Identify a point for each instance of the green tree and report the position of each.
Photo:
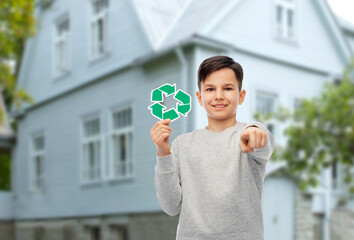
(321, 133)
(16, 25)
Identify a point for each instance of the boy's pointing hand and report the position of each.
(252, 137)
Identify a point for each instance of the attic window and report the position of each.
(61, 47)
(285, 16)
(99, 28)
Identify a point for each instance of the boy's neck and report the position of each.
(219, 126)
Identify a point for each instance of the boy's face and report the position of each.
(221, 87)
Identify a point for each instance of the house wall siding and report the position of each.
(250, 26)
(126, 40)
(60, 122)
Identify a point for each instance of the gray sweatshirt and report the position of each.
(216, 189)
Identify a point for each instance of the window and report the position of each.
(37, 163)
(94, 233)
(39, 234)
(121, 143)
(119, 232)
(337, 82)
(319, 225)
(265, 103)
(297, 103)
(334, 175)
(61, 47)
(91, 148)
(285, 19)
(99, 28)
(68, 233)
(337, 173)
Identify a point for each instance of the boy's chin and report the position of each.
(221, 117)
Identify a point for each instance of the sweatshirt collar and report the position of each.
(236, 126)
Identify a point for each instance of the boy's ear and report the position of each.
(199, 98)
(242, 96)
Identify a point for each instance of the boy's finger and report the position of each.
(264, 140)
(244, 147)
(245, 135)
(165, 121)
(252, 140)
(157, 129)
(257, 140)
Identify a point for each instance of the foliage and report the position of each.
(16, 25)
(320, 134)
(5, 171)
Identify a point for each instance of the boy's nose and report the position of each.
(219, 94)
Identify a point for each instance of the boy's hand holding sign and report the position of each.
(160, 134)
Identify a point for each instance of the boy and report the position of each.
(214, 176)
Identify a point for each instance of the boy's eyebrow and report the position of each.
(226, 84)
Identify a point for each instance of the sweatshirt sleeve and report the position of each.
(167, 181)
(263, 154)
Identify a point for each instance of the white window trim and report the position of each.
(116, 132)
(32, 154)
(286, 5)
(65, 40)
(94, 54)
(259, 87)
(83, 140)
(274, 122)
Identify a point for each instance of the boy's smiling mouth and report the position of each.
(219, 106)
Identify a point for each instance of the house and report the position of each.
(83, 163)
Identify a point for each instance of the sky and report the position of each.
(344, 8)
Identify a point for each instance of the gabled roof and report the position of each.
(345, 25)
(333, 24)
(169, 22)
(197, 15)
(157, 16)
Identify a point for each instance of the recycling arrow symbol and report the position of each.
(157, 109)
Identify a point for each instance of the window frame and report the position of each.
(86, 140)
(89, 231)
(272, 95)
(115, 133)
(33, 154)
(120, 230)
(65, 65)
(94, 52)
(286, 6)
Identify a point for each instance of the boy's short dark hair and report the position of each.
(215, 63)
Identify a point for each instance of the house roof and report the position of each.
(193, 19)
(171, 24)
(345, 25)
(157, 16)
(168, 22)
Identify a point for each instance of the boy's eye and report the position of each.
(213, 88)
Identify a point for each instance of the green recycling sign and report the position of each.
(157, 96)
